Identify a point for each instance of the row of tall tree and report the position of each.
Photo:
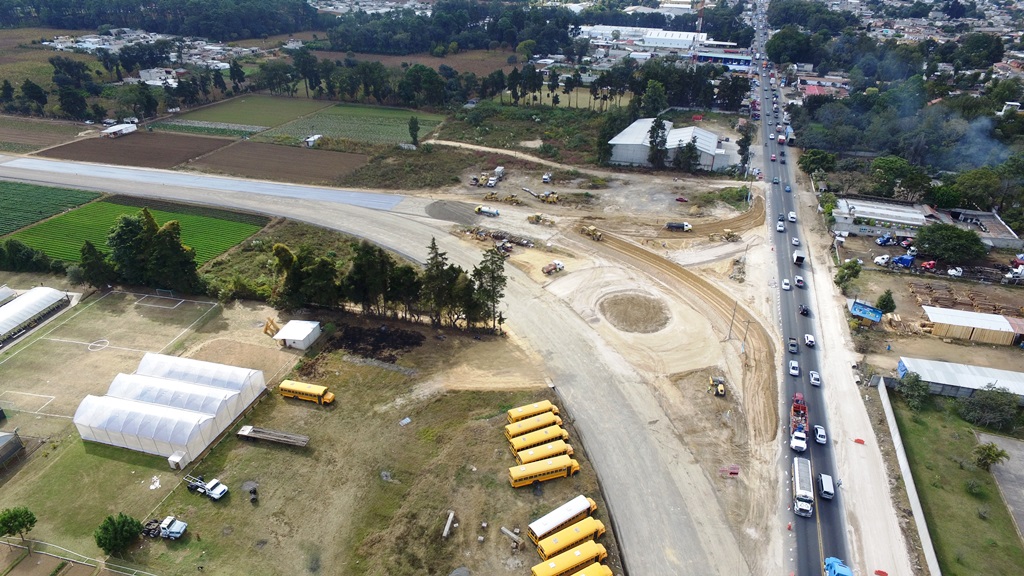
(445, 293)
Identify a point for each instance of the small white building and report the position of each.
(310, 141)
(118, 130)
(631, 147)
(298, 334)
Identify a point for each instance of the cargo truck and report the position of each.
(798, 257)
(487, 211)
(798, 423)
(679, 226)
(835, 567)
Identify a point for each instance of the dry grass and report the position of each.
(20, 59)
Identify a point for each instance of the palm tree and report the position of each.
(985, 455)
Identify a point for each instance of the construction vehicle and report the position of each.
(548, 197)
(835, 567)
(170, 528)
(270, 328)
(678, 226)
(716, 384)
(539, 218)
(554, 266)
(213, 489)
(726, 235)
(798, 423)
(487, 211)
(512, 199)
(593, 232)
(492, 195)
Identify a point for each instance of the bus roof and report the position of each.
(543, 526)
(303, 387)
(589, 527)
(544, 435)
(544, 451)
(581, 555)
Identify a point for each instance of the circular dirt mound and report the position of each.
(635, 312)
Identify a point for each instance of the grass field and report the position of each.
(371, 124)
(24, 204)
(21, 60)
(210, 233)
(938, 445)
(24, 135)
(257, 110)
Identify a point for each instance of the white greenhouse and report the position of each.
(25, 310)
(176, 409)
(144, 427)
(247, 382)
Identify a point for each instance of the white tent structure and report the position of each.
(247, 382)
(299, 334)
(145, 427)
(223, 404)
(6, 294)
(172, 407)
(26, 309)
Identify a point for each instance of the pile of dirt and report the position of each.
(384, 343)
(637, 313)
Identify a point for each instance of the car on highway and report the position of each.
(809, 340)
(798, 281)
(788, 189)
(776, 181)
(882, 260)
(780, 227)
(792, 216)
(785, 284)
(819, 434)
(781, 217)
(773, 158)
(803, 310)
(771, 137)
(815, 378)
(794, 368)
(795, 241)
(782, 161)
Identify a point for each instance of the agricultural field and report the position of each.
(146, 149)
(371, 124)
(257, 110)
(209, 232)
(20, 59)
(24, 135)
(280, 163)
(24, 204)
(203, 128)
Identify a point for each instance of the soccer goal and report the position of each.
(165, 293)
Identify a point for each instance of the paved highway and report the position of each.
(824, 534)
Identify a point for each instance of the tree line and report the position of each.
(223, 20)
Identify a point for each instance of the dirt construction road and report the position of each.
(658, 495)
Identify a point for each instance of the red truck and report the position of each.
(798, 423)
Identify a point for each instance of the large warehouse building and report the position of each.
(975, 326)
(632, 146)
(23, 312)
(171, 407)
(961, 380)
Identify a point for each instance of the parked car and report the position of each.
(929, 265)
(794, 368)
(858, 261)
(819, 434)
(882, 260)
(955, 272)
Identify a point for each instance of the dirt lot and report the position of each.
(147, 149)
(280, 163)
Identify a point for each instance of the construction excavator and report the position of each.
(539, 218)
(593, 232)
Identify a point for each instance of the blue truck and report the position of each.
(835, 567)
(904, 261)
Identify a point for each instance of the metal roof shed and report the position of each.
(299, 334)
(10, 446)
(961, 380)
(21, 312)
(963, 324)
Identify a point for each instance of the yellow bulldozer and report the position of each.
(539, 219)
(492, 195)
(593, 232)
(549, 198)
(512, 199)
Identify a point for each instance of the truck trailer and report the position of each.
(798, 257)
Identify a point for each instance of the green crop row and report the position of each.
(192, 210)
(25, 204)
(62, 237)
(202, 130)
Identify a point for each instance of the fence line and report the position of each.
(39, 547)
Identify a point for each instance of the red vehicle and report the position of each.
(798, 414)
(929, 265)
(773, 157)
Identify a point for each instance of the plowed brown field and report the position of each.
(280, 163)
(146, 149)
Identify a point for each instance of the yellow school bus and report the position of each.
(303, 391)
(571, 561)
(549, 450)
(530, 424)
(557, 467)
(537, 438)
(595, 570)
(589, 528)
(530, 410)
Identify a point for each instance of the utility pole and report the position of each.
(731, 318)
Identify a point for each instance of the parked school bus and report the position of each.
(537, 438)
(595, 570)
(549, 450)
(530, 410)
(571, 561)
(542, 471)
(310, 392)
(587, 529)
(565, 515)
(530, 424)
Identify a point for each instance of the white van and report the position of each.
(826, 489)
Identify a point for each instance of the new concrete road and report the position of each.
(643, 466)
(824, 534)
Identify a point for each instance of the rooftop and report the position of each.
(963, 375)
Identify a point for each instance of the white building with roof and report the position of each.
(672, 40)
(171, 407)
(23, 312)
(961, 380)
(298, 334)
(873, 218)
(631, 147)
